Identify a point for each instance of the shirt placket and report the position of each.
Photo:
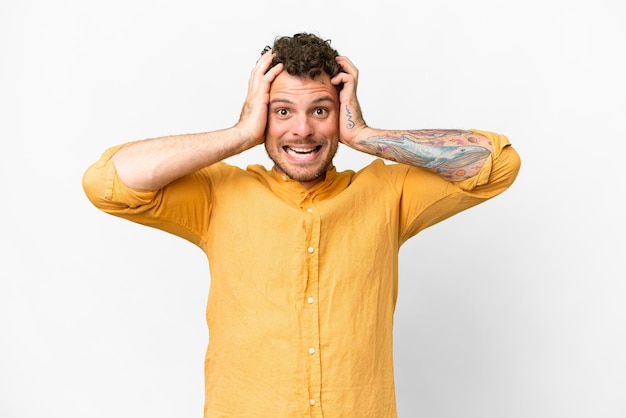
(310, 316)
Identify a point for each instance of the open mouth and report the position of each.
(301, 150)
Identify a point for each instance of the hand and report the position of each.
(351, 122)
(253, 117)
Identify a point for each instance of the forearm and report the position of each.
(453, 154)
(153, 163)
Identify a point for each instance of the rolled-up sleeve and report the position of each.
(181, 208)
(428, 198)
(499, 170)
(107, 192)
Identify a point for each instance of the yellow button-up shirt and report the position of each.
(303, 282)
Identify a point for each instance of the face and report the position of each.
(302, 132)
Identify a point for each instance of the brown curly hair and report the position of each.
(306, 55)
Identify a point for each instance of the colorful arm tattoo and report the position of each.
(453, 154)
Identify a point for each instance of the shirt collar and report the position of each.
(284, 179)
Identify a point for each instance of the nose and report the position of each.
(302, 126)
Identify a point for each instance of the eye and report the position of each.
(320, 111)
(282, 112)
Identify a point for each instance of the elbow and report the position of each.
(513, 164)
(95, 185)
(505, 169)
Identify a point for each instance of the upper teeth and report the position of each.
(301, 150)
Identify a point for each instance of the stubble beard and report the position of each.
(304, 176)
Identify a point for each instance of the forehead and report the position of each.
(302, 89)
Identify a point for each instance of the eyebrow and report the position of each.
(316, 101)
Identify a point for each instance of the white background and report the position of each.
(516, 308)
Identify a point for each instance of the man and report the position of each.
(303, 259)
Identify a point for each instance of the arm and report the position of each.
(453, 154)
(153, 163)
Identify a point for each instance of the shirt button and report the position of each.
(309, 210)
(311, 350)
(311, 250)
(284, 178)
(312, 402)
(310, 300)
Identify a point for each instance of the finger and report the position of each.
(260, 69)
(262, 82)
(271, 74)
(347, 65)
(263, 62)
(341, 78)
(349, 74)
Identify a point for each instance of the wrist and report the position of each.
(243, 139)
(357, 134)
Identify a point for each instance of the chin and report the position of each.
(297, 174)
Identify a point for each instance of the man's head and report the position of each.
(302, 133)
(305, 55)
